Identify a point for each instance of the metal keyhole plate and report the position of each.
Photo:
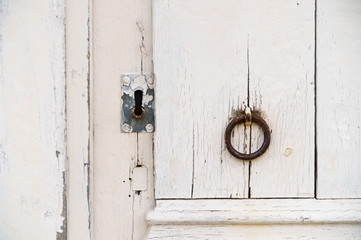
(130, 84)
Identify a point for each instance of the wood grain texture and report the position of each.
(206, 57)
(338, 99)
(323, 231)
(122, 44)
(79, 131)
(200, 63)
(281, 85)
(143, 201)
(255, 211)
(32, 120)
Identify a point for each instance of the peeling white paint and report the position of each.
(147, 99)
(78, 113)
(120, 30)
(211, 60)
(338, 98)
(32, 119)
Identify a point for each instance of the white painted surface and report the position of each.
(32, 119)
(256, 219)
(338, 99)
(122, 44)
(140, 178)
(255, 211)
(205, 75)
(205, 53)
(322, 231)
(201, 72)
(281, 85)
(79, 129)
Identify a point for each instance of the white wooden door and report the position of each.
(214, 58)
(297, 64)
(211, 60)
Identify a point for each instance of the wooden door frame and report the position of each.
(79, 119)
(82, 195)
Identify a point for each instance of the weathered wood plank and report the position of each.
(338, 99)
(113, 52)
(200, 62)
(79, 132)
(143, 201)
(281, 59)
(255, 211)
(121, 44)
(204, 69)
(32, 120)
(288, 218)
(321, 231)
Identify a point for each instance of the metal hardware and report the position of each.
(137, 114)
(248, 118)
(149, 128)
(140, 115)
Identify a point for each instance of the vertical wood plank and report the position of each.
(338, 99)
(281, 49)
(79, 130)
(32, 120)
(200, 62)
(113, 35)
(173, 174)
(121, 44)
(143, 201)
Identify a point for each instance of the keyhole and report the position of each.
(138, 110)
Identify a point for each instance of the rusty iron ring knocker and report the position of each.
(248, 118)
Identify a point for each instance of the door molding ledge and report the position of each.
(255, 211)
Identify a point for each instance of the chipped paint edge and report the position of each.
(255, 211)
(79, 118)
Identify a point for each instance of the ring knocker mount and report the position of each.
(248, 118)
